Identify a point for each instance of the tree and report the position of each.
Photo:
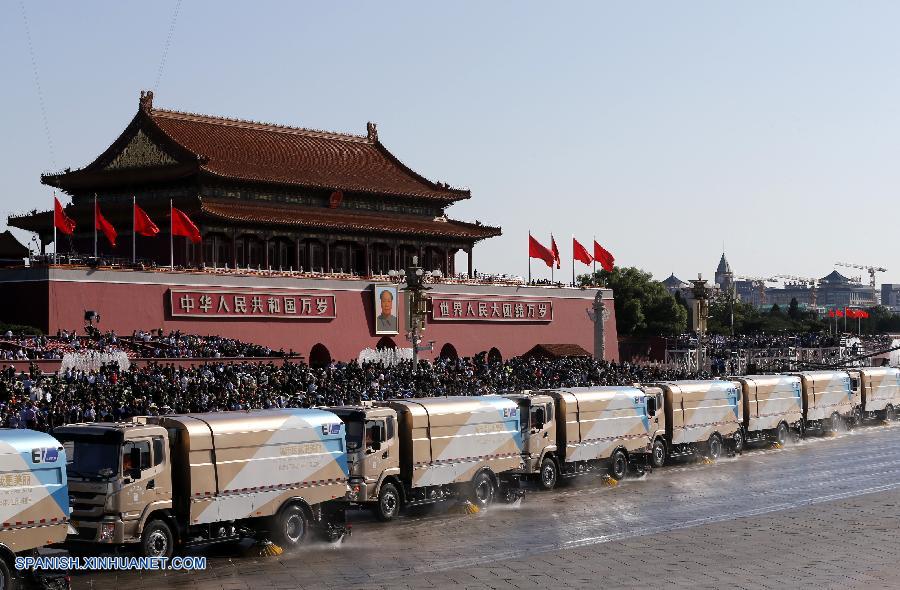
(794, 310)
(643, 306)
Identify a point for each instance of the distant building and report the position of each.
(724, 278)
(675, 285)
(834, 291)
(890, 296)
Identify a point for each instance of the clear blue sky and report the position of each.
(664, 128)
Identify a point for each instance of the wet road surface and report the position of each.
(853, 477)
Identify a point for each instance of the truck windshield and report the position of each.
(91, 460)
(354, 434)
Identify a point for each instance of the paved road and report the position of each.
(824, 512)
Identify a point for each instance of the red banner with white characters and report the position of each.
(491, 309)
(209, 303)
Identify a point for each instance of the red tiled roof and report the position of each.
(342, 219)
(261, 152)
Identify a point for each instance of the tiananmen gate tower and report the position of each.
(299, 231)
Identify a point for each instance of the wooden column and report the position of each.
(297, 254)
(233, 248)
(368, 260)
(327, 255)
(469, 256)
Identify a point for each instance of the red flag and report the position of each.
(554, 250)
(850, 313)
(839, 313)
(143, 225)
(604, 257)
(62, 221)
(831, 313)
(183, 226)
(106, 227)
(580, 253)
(538, 250)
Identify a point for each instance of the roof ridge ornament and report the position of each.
(372, 131)
(145, 102)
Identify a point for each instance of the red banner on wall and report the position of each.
(491, 310)
(251, 304)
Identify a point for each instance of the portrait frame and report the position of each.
(389, 325)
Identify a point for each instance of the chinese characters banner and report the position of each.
(251, 304)
(491, 310)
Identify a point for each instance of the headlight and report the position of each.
(107, 532)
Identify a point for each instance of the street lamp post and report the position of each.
(414, 279)
(700, 293)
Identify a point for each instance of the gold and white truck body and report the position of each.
(830, 400)
(772, 406)
(200, 478)
(417, 451)
(577, 430)
(880, 391)
(700, 417)
(34, 498)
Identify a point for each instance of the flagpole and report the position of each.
(573, 260)
(529, 257)
(133, 231)
(171, 237)
(594, 256)
(55, 243)
(95, 225)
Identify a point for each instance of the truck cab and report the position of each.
(373, 457)
(538, 423)
(118, 475)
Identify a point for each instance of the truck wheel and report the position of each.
(618, 465)
(7, 582)
(658, 454)
(781, 434)
(549, 474)
(482, 490)
(157, 539)
(290, 527)
(388, 502)
(889, 414)
(836, 423)
(737, 440)
(714, 447)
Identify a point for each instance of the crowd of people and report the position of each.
(779, 341)
(141, 344)
(43, 401)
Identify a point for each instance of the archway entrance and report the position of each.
(319, 356)
(448, 351)
(385, 342)
(494, 357)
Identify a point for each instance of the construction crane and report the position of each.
(872, 269)
(759, 283)
(812, 283)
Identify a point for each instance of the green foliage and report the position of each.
(749, 320)
(643, 306)
(19, 330)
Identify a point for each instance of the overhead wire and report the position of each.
(168, 43)
(37, 84)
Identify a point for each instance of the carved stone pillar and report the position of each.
(600, 315)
